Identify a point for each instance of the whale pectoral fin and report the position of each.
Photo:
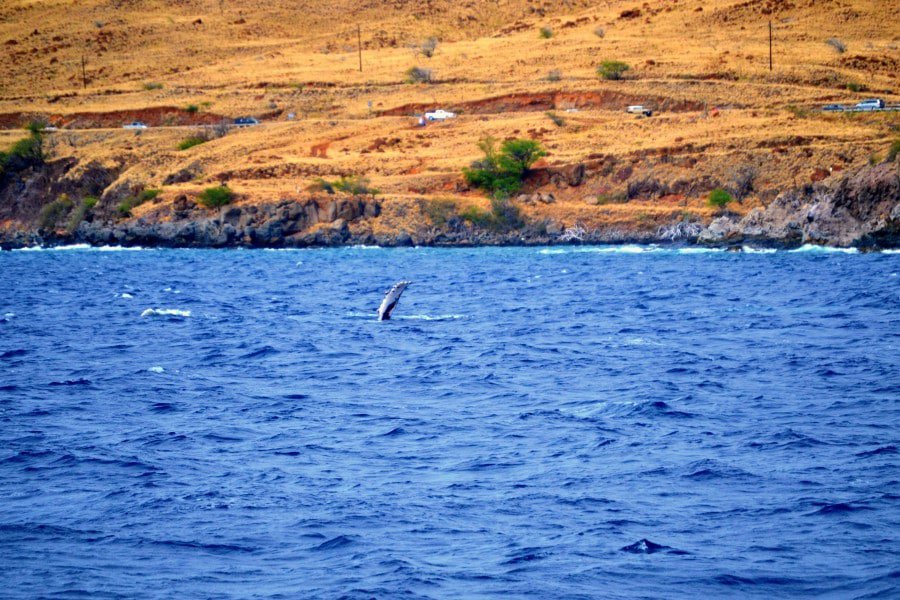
(391, 298)
(386, 315)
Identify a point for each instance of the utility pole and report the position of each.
(359, 45)
(770, 45)
(83, 74)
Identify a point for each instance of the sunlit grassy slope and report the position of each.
(702, 64)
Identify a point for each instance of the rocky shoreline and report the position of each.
(861, 209)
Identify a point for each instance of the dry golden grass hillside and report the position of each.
(511, 68)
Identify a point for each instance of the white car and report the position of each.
(638, 109)
(439, 115)
(135, 125)
(870, 104)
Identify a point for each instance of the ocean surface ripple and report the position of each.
(545, 423)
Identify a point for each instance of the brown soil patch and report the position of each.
(537, 102)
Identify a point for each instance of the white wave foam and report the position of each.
(623, 249)
(125, 295)
(825, 249)
(87, 247)
(9, 314)
(699, 250)
(374, 316)
(172, 290)
(69, 247)
(428, 317)
(891, 251)
(156, 369)
(172, 312)
(752, 250)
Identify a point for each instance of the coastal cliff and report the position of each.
(860, 208)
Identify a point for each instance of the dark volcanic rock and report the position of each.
(184, 175)
(860, 209)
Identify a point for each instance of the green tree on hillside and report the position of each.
(502, 170)
(612, 69)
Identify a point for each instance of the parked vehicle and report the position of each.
(49, 129)
(135, 125)
(246, 122)
(638, 109)
(834, 108)
(439, 115)
(870, 104)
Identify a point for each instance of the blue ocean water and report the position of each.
(546, 423)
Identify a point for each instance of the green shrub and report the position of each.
(349, 184)
(600, 32)
(131, 202)
(36, 127)
(125, 206)
(501, 171)
(612, 69)
(497, 183)
(554, 75)
(78, 215)
(30, 149)
(837, 45)
(719, 198)
(517, 156)
(192, 108)
(190, 142)
(418, 75)
(557, 120)
(617, 198)
(428, 47)
(153, 86)
(546, 33)
(476, 216)
(321, 185)
(503, 216)
(440, 211)
(354, 184)
(54, 212)
(147, 195)
(856, 87)
(894, 150)
(213, 197)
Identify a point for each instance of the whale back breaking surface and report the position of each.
(391, 298)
